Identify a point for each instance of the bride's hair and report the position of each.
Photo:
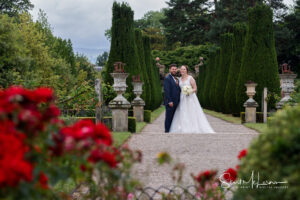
(186, 67)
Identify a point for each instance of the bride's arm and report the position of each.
(194, 85)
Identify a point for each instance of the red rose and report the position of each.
(43, 179)
(242, 154)
(14, 167)
(81, 130)
(51, 112)
(102, 135)
(107, 157)
(206, 175)
(42, 95)
(230, 175)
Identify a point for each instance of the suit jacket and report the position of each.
(171, 91)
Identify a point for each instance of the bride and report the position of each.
(189, 116)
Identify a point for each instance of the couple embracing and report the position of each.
(183, 111)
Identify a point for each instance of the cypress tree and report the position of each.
(259, 62)
(208, 80)
(153, 74)
(201, 78)
(123, 47)
(146, 96)
(239, 34)
(222, 74)
(212, 88)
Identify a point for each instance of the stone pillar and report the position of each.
(265, 104)
(138, 103)
(119, 105)
(250, 104)
(98, 90)
(287, 87)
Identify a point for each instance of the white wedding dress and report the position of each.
(189, 116)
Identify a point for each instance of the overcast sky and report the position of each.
(85, 22)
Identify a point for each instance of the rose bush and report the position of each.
(37, 151)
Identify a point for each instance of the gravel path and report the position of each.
(197, 151)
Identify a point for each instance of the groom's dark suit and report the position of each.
(172, 94)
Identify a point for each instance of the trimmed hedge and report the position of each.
(107, 121)
(132, 124)
(147, 116)
(259, 117)
(123, 47)
(146, 95)
(222, 71)
(212, 89)
(154, 77)
(239, 34)
(259, 62)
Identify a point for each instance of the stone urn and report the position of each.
(119, 105)
(138, 103)
(250, 104)
(287, 84)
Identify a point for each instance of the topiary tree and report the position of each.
(153, 74)
(275, 155)
(222, 74)
(208, 80)
(123, 47)
(212, 88)
(239, 34)
(146, 95)
(259, 62)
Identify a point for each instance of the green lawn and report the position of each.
(120, 137)
(140, 126)
(156, 113)
(226, 117)
(259, 127)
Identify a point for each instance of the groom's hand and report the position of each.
(171, 104)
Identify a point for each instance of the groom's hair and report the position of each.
(172, 65)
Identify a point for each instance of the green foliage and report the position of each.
(13, 7)
(101, 59)
(147, 116)
(123, 47)
(186, 22)
(212, 88)
(153, 74)
(239, 33)
(295, 96)
(188, 55)
(146, 95)
(200, 83)
(209, 74)
(259, 63)
(132, 124)
(31, 56)
(275, 156)
(222, 71)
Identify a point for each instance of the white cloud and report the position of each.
(85, 22)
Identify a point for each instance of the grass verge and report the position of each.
(120, 137)
(156, 113)
(259, 127)
(226, 117)
(140, 126)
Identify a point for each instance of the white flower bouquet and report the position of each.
(187, 90)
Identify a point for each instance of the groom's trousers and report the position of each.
(170, 111)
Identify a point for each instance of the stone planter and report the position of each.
(138, 103)
(250, 104)
(119, 105)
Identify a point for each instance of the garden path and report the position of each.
(198, 152)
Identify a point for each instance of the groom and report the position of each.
(172, 95)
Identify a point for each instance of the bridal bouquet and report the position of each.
(187, 90)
